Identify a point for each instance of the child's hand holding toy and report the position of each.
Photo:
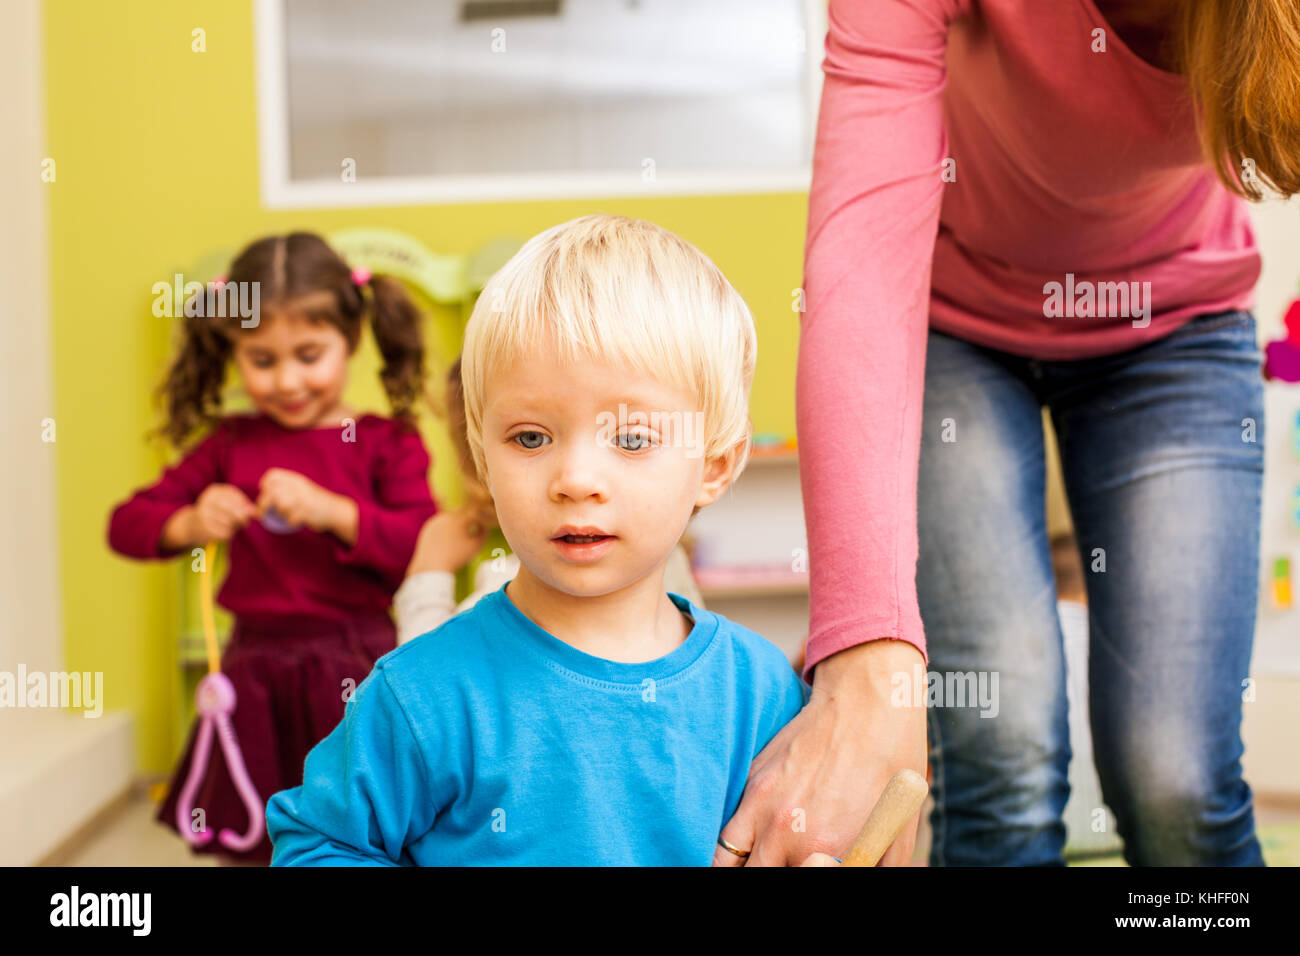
(219, 512)
(288, 501)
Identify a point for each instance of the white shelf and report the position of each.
(793, 587)
(758, 525)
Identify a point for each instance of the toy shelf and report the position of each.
(749, 550)
(719, 583)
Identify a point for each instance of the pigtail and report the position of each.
(300, 274)
(191, 391)
(395, 321)
(477, 497)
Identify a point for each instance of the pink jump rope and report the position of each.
(215, 702)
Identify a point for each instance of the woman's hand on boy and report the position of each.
(447, 542)
(813, 786)
(300, 502)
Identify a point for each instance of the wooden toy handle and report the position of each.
(898, 803)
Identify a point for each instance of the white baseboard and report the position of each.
(59, 770)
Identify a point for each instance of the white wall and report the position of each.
(30, 622)
(1277, 646)
(1270, 719)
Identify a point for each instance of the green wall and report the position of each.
(157, 172)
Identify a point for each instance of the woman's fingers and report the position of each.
(900, 851)
(739, 832)
(814, 784)
(820, 859)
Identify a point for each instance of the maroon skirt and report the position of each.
(290, 679)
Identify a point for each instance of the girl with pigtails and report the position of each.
(321, 506)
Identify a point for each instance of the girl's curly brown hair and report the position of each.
(477, 497)
(297, 273)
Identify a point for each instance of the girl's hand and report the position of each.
(220, 511)
(447, 542)
(300, 501)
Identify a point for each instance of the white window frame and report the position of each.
(279, 191)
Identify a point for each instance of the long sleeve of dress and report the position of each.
(136, 524)
(873, 216)
(388, 527)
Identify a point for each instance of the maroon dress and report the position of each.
(311, 614)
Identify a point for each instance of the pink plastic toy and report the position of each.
(215, 702)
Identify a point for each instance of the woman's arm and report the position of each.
(873, 216)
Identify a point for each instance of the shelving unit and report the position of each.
(749, 551)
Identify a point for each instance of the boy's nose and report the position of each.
(578, 485)
(579, 475)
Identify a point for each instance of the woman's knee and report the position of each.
(1183, 815)
(1000, 787)
(1012, 765)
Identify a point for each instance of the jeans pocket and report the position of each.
(1232, 333)
(1239, 321)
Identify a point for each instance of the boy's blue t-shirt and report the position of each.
(490, 741)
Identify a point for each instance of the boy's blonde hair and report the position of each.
(623, 292)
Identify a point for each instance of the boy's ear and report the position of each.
(717, 476)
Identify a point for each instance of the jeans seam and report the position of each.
(939, 834)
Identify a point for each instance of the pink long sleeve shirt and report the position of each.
(1063, 165)
(306, 573)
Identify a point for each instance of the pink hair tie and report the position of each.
(360, 276)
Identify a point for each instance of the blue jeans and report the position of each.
(1164, 484)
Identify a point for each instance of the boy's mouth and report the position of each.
(580, 535)
(583, 545)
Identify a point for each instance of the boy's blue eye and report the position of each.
(633, 441)
(527, 435)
